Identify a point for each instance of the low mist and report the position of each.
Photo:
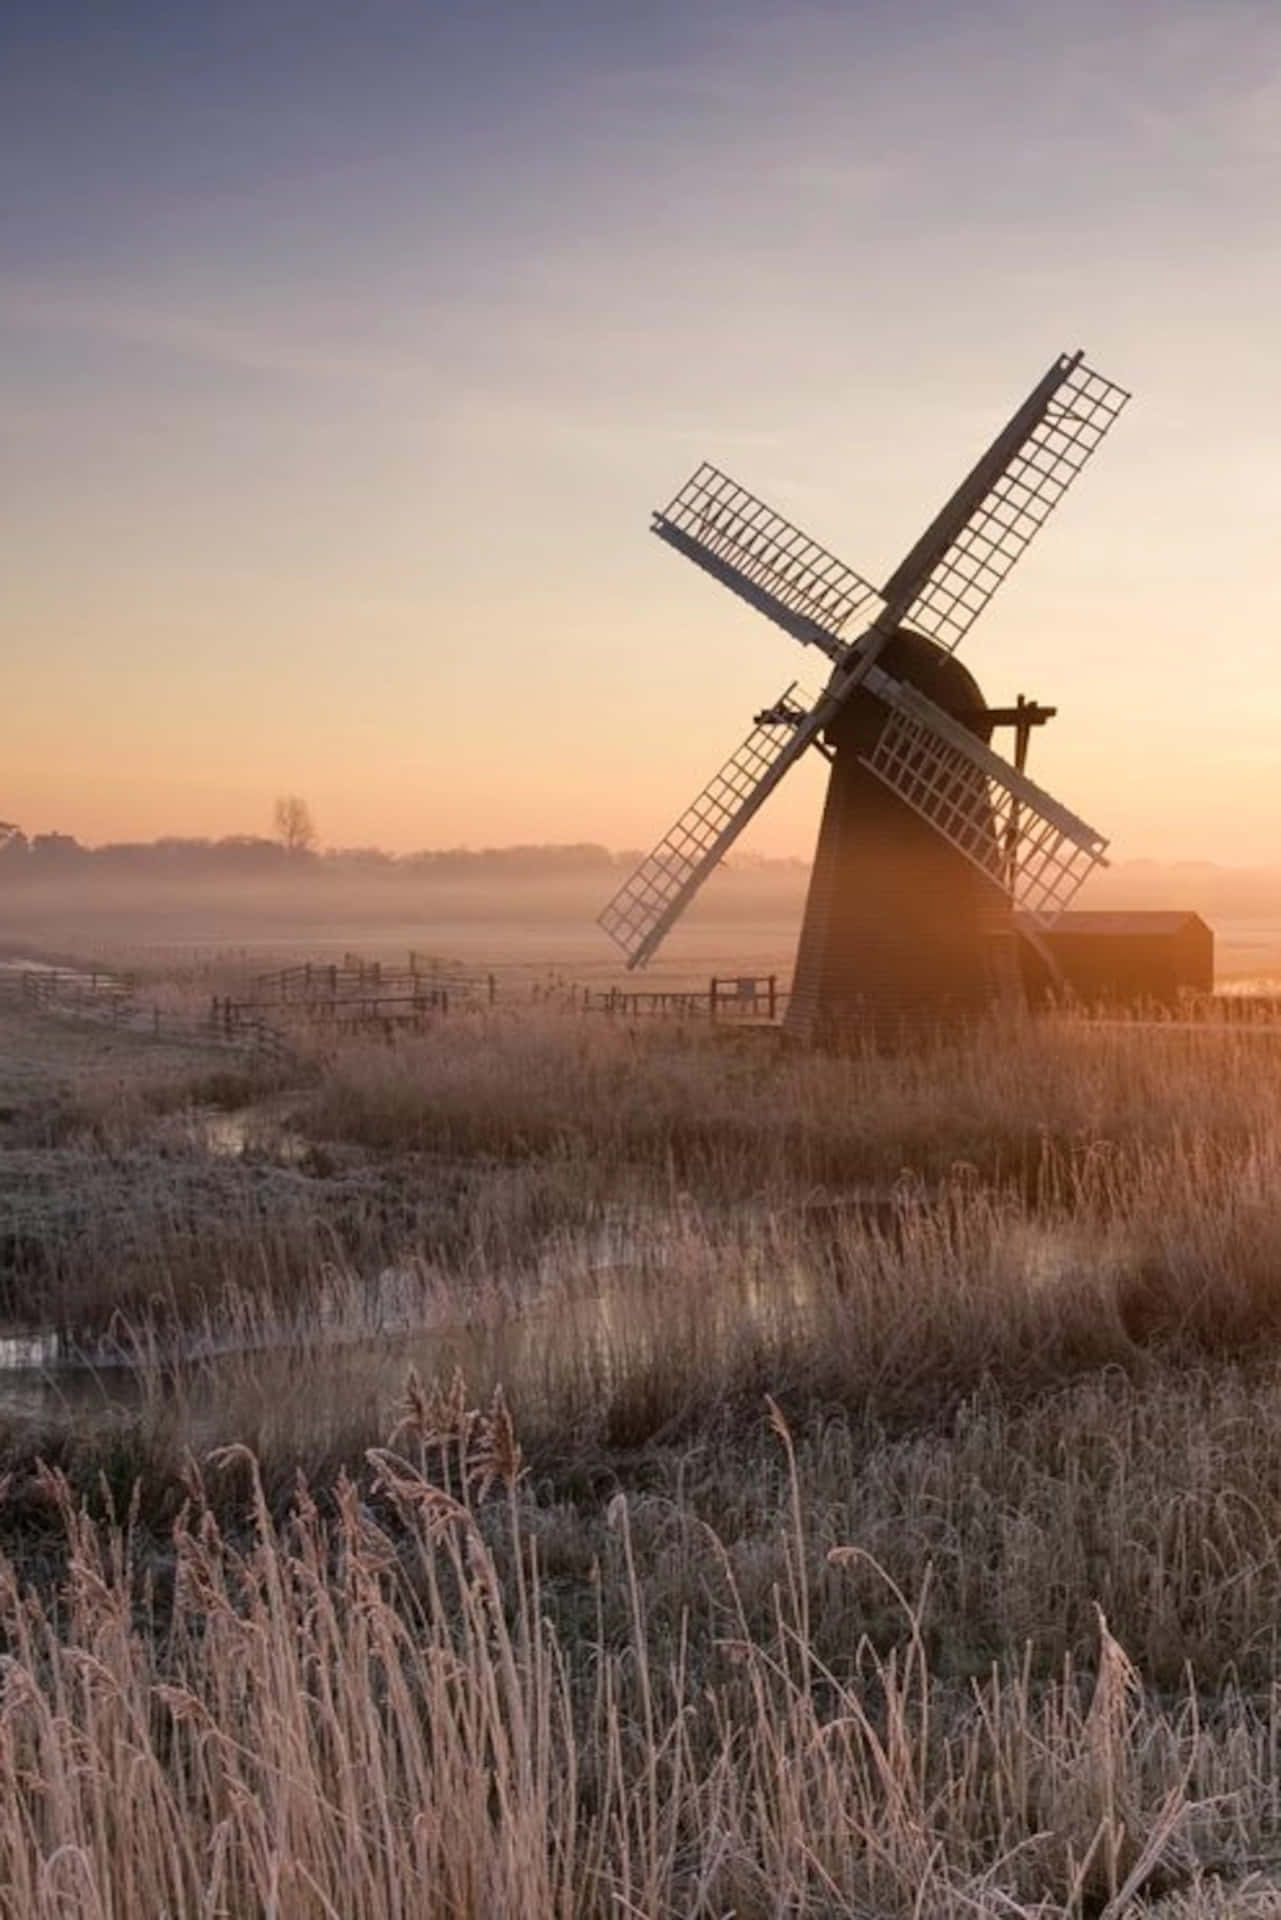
(533, 903)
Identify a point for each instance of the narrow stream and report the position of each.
(377, 1328)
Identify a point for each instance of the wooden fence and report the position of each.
(333, 999)
(338, 1014)
(745, 998)
(368, 996)
(356, 995)
(111, 1000)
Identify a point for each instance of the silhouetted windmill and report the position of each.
(930, 841)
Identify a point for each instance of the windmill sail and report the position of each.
(763, 558)
(959, 562)
(980, 804)
(652, 898)
(878, 726)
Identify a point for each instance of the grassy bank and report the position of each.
(880, 1515)
(814, 1675)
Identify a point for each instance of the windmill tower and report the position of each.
(930, 841)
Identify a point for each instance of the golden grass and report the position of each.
(915, 1559)
(740, 1110)
(387, 1705)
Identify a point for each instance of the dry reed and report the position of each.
(974, 1614)
(380, 1705)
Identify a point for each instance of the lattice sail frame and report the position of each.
(1007, 826)
(652, 897)
(1016, 505)
(763, 558)
(1014, 832)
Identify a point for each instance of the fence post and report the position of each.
(711, 998)
(773, 995)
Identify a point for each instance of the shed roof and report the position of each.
(1162, 921)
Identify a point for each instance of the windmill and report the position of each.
(931, 843)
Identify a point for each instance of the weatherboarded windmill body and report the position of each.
(931, 843)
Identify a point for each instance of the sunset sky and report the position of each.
(346, 349)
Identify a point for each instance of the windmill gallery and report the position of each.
(942, 874)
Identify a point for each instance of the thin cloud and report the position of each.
(212, 339)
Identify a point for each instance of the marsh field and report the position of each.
(553, 1465)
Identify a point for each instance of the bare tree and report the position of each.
(295, 828)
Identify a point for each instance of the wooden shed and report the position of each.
(1122, 958)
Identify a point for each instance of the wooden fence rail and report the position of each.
(359, 995)
(753, 999)
(109, 1000)
(326, 981)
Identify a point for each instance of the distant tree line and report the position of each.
(47, 855)
(293, 850)
(1211, 889)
